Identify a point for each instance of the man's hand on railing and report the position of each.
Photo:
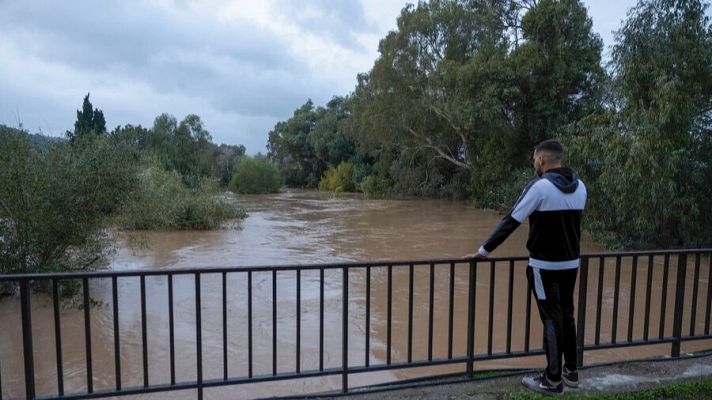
(476, 256)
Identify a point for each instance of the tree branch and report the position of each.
(429, 144)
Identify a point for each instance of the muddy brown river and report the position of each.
(303, 227)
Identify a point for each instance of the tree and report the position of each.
(330, 141)
(410, 97)
(558, 73)
(662, 71)
(648, 156)
(56, 200)
(255, 175)
(89, 121)
(290, 149)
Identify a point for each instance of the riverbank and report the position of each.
(640, 379)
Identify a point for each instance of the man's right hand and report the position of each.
(476, 256)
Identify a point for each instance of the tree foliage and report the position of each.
(60, 198)
(56, 200)
(655, 170)
(462, 90)
(184, 147)
(255, 175)
(90, 121)
(311, 140)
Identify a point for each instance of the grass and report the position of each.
(673, 391)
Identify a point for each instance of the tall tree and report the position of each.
(558, 72)
(290, 148)
(89, 121)
(410, 95)
(658, 168)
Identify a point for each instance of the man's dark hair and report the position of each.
(552, 147)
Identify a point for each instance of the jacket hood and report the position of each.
(563, 178)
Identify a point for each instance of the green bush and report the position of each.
(164, 202)
(255, 175)
(371, 187)
(56, 200)
(339, 179)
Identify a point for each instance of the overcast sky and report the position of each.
(241, 65)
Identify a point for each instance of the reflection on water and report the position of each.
(300, 228)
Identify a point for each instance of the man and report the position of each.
(553, 203)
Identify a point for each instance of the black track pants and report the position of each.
(554, 292)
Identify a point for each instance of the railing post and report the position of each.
(25, 309)
(471, 320)
(679, 303)
(345, 332)
(581, 319)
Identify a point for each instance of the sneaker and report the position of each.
(570, 378)
(541, 384)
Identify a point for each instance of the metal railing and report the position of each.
(456, 280)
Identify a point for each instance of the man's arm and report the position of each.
(500, 233)
(527, 203)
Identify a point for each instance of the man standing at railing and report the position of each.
(553, 203)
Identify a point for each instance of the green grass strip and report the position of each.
(673, 391)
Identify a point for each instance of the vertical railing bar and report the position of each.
(198, 336)
(87, 335)
(709, 295)
(528, 316)
(599, 300)
(224, 321)
(117, 336)
(321, 319)
(28, 354)
(389, 300)
(663, 302)
(274, 322)
(367, 356)
(451, 310)
(471, 294)
(58, 338)
(144, 334)
(299, 320)
(616, 294)
(410, 313)
(648, 292)
(1, 380)
(510, 301)
(695, 288)
(631, 301)
(490, 323)
(679, 304)
(249, 323)
(431, 312)
(345, 332)
(581, 320)
(171, 330)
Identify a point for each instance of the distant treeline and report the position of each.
(463, 90)
(59, 198)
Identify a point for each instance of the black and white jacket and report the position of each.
(554, 204)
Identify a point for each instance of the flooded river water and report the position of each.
(298, 227)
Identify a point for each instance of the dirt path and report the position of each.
(602, 379)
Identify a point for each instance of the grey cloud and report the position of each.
(341, 21)
(240, 78)
(172, 55)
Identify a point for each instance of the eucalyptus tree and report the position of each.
(475, 84)
(410, 97)
(657, 170)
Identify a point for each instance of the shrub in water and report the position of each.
(255, 175)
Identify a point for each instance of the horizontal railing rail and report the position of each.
(393, 315)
